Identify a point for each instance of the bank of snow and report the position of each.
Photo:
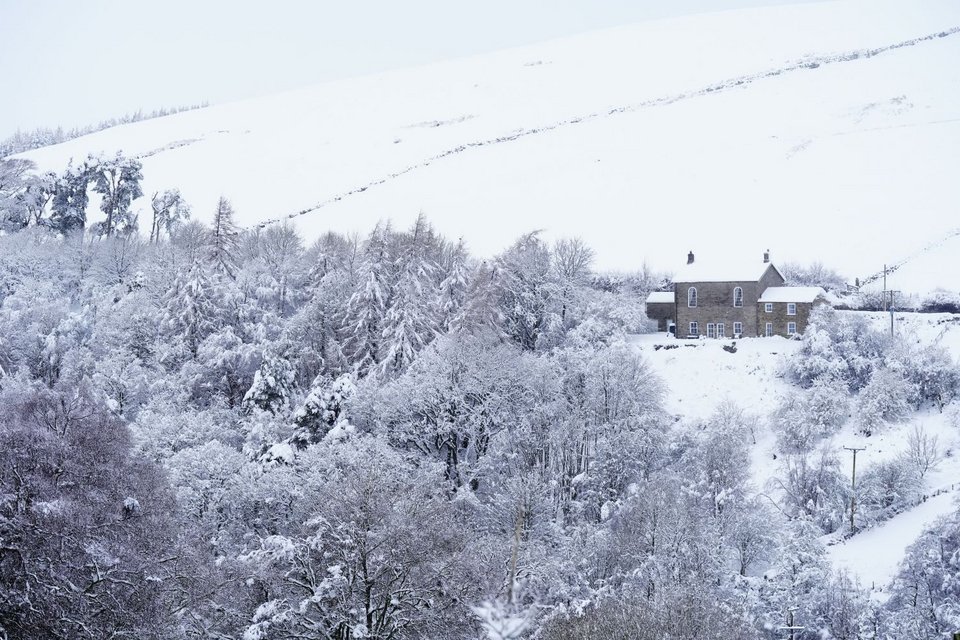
(826, 125)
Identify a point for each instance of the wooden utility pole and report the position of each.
(892, 306)
(518, 531)
(884, 302)
(853, 485)
(790, 626)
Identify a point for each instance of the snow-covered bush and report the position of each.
(923, 451)
(815, 274)
(837, 346)
(941, 301)
(813, 486)
(886, 488)
(806, 416)
(925, 594)
(930, 369)
(886, 398)
(952, 412)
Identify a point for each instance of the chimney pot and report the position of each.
(690, 258)
(766, 256)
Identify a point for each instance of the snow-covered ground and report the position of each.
(701, 374)
(821, 131)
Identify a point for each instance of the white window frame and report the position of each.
(738, 296)
(769, 330)
(768, 307)
(791, 308)
(694, 329)
(721, 330)
(791, 328)
(692, 297)
(711, 330)
(738, 328)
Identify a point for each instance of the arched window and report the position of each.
(692, 297)
(738, 296)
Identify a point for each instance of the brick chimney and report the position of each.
(690, 258)
(766, 256)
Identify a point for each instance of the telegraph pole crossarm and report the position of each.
(790, 626)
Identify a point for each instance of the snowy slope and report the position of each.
(700, 375)
(821, 131)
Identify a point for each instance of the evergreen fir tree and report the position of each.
(410, 322)
(273, 384)
(224, 240)
(454, 286)
(367, 305)
(190, 308)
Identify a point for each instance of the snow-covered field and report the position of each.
(700, 375)
(824, 131)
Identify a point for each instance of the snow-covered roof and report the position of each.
(791, 294)
(660, 296)
(712, 271)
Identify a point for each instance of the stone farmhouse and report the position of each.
(732, 301)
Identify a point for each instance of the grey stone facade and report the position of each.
(780, 318)
(715, 304)
(717, 315)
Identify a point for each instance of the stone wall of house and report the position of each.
(661, 312)
(780, 318)
(715, 305)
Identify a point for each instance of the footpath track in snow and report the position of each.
(806, 64)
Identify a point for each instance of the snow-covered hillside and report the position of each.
(824, 132)
(701, 375)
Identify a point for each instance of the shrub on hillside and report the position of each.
(805, 417)
(941, 301)
(886, 398)
(931, 370)
(887, 488)
(837, 346)
(814, 487)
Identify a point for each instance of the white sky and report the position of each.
(75, 62)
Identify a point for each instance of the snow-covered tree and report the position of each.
(410, 321)
(454, 286)
(322, 409)
(15, 213)
(69, 204)
(886, 398)
(526, 289)
(117, 180)
(191, 312)
(169, 209)
(223, 242)
(273, 384)
(364, 321)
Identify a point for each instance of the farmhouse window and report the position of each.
(692, 297)
(791, 308)
(791, 328)
(768, 307)
(738, 296)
